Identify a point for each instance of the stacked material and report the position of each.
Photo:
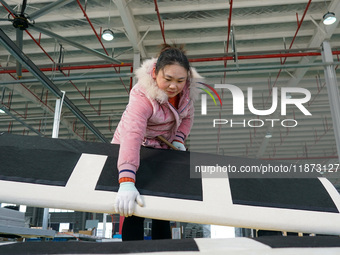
(11, 218)
(12, 223)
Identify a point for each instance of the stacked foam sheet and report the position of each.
(12, 218)
(12, 223)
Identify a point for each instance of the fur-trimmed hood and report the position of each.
(145, 80)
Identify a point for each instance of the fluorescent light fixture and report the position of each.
(329, 18)
(108, 35)
(268, 135)
(2, 111)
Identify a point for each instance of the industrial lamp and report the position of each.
(329, 18)
(107, 35)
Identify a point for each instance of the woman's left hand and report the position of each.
(179, 145)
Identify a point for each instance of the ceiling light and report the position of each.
(2, 111)
(107, 35)
(268, 135)
(329, 18)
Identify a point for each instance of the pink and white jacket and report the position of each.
(149, 114)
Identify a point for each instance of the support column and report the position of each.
(83, 220)
(104, 224)
(55, 134)
(333, 91)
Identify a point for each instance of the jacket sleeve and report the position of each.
(133, 128)
(184, 129)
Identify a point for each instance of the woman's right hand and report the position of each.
(126, 198)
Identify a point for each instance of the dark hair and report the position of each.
(170, 55)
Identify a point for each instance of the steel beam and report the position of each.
(74, 44)
(130, 27)
(333, 91)
(19, 42)
(48, 8)
(21, 57)
(8, 7)
(72, 78)
(21, 121)
(319, 36)
(203, 70)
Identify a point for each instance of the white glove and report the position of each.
(126, 198)
(179, 145)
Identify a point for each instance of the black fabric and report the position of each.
(292, 190)
(48, 161)
(161, 173)
(300, 242)
(33, 248)
(40, 160)
(31, 165)
(133, 229)
(160, 229)
(302, 194)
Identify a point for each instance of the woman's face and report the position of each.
(171, 79)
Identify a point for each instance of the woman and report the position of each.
(161, 103)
